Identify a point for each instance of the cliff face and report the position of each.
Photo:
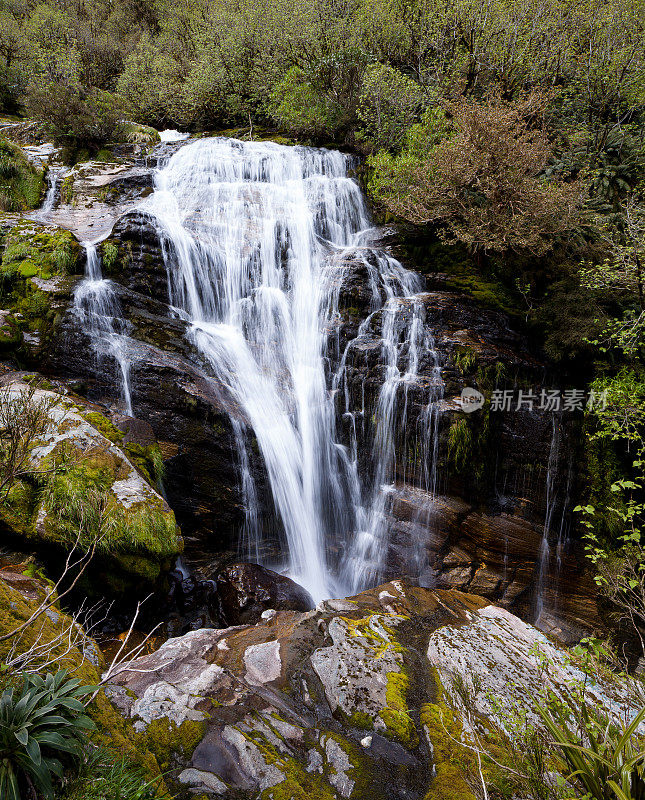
(478, 525)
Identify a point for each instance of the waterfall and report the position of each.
(54, 174)
(257, 240)
(551, 501)
(97, 307)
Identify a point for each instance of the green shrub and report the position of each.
(105, 775)
(20, 183)
(606, 759)
(38, 727)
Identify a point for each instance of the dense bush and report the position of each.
(75, 117)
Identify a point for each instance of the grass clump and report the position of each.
(21, 184)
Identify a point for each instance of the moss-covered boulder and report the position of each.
(39, 266)
(80, 482)
(21, 184)
(362, 698)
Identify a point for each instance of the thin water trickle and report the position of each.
(54, 175)
(551, 500)
(257, 238)
(97, 307)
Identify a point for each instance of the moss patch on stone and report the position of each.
(169, 743)
(36, 279)
(145, 527)
(396, 716)
(451, 762)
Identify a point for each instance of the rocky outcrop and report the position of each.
(494, 554)
(94, 194)
(247, 591)
(78, 488)
(351, 700)
(39, 268)
(139, 263)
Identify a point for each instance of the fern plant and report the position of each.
(38, 726)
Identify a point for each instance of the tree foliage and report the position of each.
(483, 181)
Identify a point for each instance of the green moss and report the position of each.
(396, 715)
(35, 253)
(148, 460)
(144, 528)
(298, 784)
(104, 426)
(21, 184)
(361, 720)
(170, 743)
(451, 761)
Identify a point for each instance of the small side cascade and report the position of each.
(555, 537)
(54, 176)
(97, 307)
(404, 339)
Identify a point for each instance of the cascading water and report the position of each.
(552, 500)
(257, 237)
(97, 307)
(54, 174)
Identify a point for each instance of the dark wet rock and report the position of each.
(139, 265)
(245, 591)
(493, 554)
(135, 431)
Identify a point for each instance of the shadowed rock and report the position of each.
(247, 590)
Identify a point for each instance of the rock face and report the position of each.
(245, 591)
(346, 701)
(92, 489)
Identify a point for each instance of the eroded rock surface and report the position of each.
(344, 701)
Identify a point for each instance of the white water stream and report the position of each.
(97, 307)
(258, 237)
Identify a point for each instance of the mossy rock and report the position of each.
(38, 270)
(81, 481)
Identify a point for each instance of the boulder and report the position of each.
(350, 700)
(75, 457)
(246, 591)
(94, 194)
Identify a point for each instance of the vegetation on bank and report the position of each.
(21, 184)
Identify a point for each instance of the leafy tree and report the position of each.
(483, 182)
(389, 104)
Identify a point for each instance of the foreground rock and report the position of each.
(78, 482)
(346, 701)
(246, 591)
